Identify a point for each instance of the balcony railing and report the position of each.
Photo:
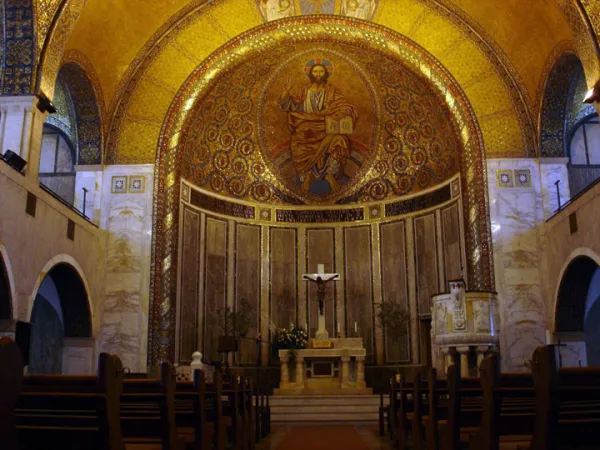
(574, 198)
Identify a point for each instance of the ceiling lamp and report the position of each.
(593, 95)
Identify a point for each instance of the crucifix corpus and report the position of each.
(321, 279)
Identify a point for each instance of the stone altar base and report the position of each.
(337, 370)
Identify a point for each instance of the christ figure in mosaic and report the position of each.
(320, 120)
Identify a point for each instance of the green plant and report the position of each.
(394, 318)
(234, 322)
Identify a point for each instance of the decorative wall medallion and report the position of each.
(118, 185)
(278, 9)
(504, 178)
(185, 193)
(375, 212)
(137, 184)
(523, 178)
(455, 188)
(265, 214)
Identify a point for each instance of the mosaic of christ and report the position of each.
(319, 123)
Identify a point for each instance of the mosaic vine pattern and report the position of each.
(416, 147)
(19, 47)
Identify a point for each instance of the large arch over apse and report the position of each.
(379, 39)
(60, 310)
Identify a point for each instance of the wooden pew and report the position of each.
(148, 412)
(437, 416)
(233, 413)
(216, 430)
(420, 410)
(402, 413)
(508, 411)
(567, 403)
(11, 379)
(190, 411)
(464, 409)
(72, 412)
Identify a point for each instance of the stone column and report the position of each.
(481, 349)
(21, 125)
(464, 360)
(285, 370)
(345, 369)
(447, 358)
(360, 369)
(299, 369)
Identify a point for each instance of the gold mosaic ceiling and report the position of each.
(497, 51)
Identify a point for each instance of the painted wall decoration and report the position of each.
(278, 9)
(309, 123)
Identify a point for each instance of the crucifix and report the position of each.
(321, 279)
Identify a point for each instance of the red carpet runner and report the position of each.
(322, 438)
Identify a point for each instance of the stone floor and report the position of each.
(326, 437)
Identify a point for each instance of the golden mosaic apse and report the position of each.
(319, 123)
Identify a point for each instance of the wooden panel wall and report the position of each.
(247, 284)
(320, 249)
(358, 278)
(426, 262)
(283, 277)
(215, 284)
(188, 306)
(452, 246)
(394, 284)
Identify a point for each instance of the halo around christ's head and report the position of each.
(318, 62)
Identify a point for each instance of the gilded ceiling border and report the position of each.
(501, 63)
(79, 58)
(54, 46)
(468, 27)
(45, 11)
(307, 28)
(587, 47)
(140, 63)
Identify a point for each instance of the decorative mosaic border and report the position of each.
(414, 57)
(19, 47)
(319, 215)
(425, 201)
(220, 206)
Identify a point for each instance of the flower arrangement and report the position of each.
(292, 338)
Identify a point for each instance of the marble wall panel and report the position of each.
(451, 242)
(189, 296)
(426, 261)
(215, 285)
(551, 171)
(394, 283)
(517, 235)
(283, 278)
(320, 249)
(247, 284)
(358, 279)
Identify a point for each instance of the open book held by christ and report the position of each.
(341, 126)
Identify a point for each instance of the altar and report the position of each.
(337, 370)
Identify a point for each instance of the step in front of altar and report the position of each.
(325, 408)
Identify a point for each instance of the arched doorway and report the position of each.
(5, 296)
(60, 310)
(578, 311)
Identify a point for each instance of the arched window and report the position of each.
(584, 149)
(57, 163)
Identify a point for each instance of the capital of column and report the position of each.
(463, 349)
(346, 359)
(284, 359)
(299, 358)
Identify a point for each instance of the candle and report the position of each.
(306, 326)
(355, 326)
(338, 327)
(320, 268)
(548, 337)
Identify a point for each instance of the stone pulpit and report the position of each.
(339, 369)
(463, 323)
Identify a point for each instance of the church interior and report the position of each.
(344, 218)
